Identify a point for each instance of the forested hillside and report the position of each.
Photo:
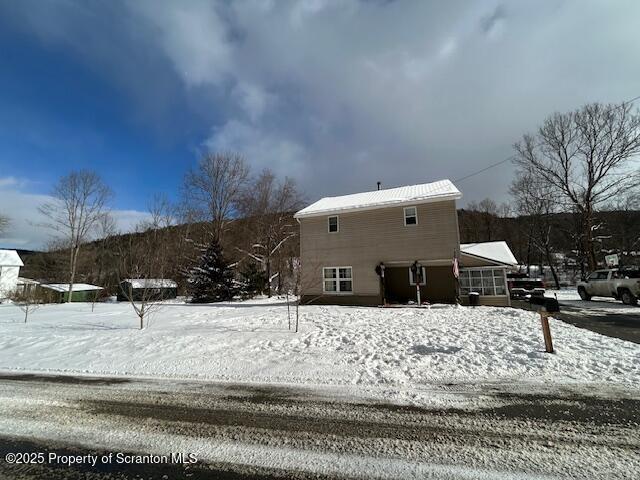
(178, 247)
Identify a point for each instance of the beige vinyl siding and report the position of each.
(489, 301)
(369, 237)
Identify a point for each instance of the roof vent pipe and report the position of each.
(379, 184)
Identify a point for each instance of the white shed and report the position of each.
(10, 264)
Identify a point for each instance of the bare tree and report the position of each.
(481, 221)
(161, 213)
(106, 231)
(4, 223)
(587, 157)
(79, 203)
(28, 300)
(145, 259)
(138, 275)
(211, 190)
(267, 206)
(304, 281)
(535, 202)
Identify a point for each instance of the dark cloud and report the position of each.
(340, 94)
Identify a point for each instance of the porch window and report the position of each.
(485, 281)
(410, 216)
(423, 277)
(333, 224)
(337, 280)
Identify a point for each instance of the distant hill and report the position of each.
(98, 263)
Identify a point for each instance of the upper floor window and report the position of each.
(410, 216)
(333, 224)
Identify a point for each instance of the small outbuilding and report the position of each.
(82, 292)
(10, 264)
(147, 288)
(26, 286)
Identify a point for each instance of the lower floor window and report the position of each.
(485, 281)
(337, 280)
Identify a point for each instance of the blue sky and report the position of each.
(59, 115)
(337, 94)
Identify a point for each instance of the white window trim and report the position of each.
(405, 216)
(424, 277)
(504, 277)
(337, 280)
(337, 217)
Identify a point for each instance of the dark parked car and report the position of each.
(521, 285)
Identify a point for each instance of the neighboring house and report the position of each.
(82, 292)
(26, 286)
(141, 288)
(10, 264)
(356, 248)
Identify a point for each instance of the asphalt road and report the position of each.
(249, 432)
(605, 317)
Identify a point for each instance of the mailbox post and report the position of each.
(545, 306)
(546, 331)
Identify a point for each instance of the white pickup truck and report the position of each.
(617, 283)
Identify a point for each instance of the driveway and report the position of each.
(601, 315)
(266, 432)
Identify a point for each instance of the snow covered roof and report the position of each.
(494, 251)
(151, 283)
(10, 258)
(77, 287)
(410, 194)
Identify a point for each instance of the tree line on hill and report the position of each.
(574, 199)
(231, 233)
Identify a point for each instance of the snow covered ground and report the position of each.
(563, 294)
(395, 354)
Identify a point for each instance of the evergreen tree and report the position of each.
(254, 280)
(212, 279)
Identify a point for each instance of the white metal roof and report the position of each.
(77, 287)
(410, 194)
(10, 258)
(151, 283)
(495, 251)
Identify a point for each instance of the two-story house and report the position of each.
(370, 247)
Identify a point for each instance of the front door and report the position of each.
(397, 286)
(438, 288)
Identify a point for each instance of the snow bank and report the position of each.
(391, 353)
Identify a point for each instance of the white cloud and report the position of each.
(422, 90)
(25, 229)
(192, 35)
(9, 182)
(252, 99)
(262, 149)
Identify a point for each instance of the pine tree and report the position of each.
(254, 280)
(212, 279)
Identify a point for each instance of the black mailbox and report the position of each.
(549, 304)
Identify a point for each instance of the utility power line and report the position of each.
(511, 157)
